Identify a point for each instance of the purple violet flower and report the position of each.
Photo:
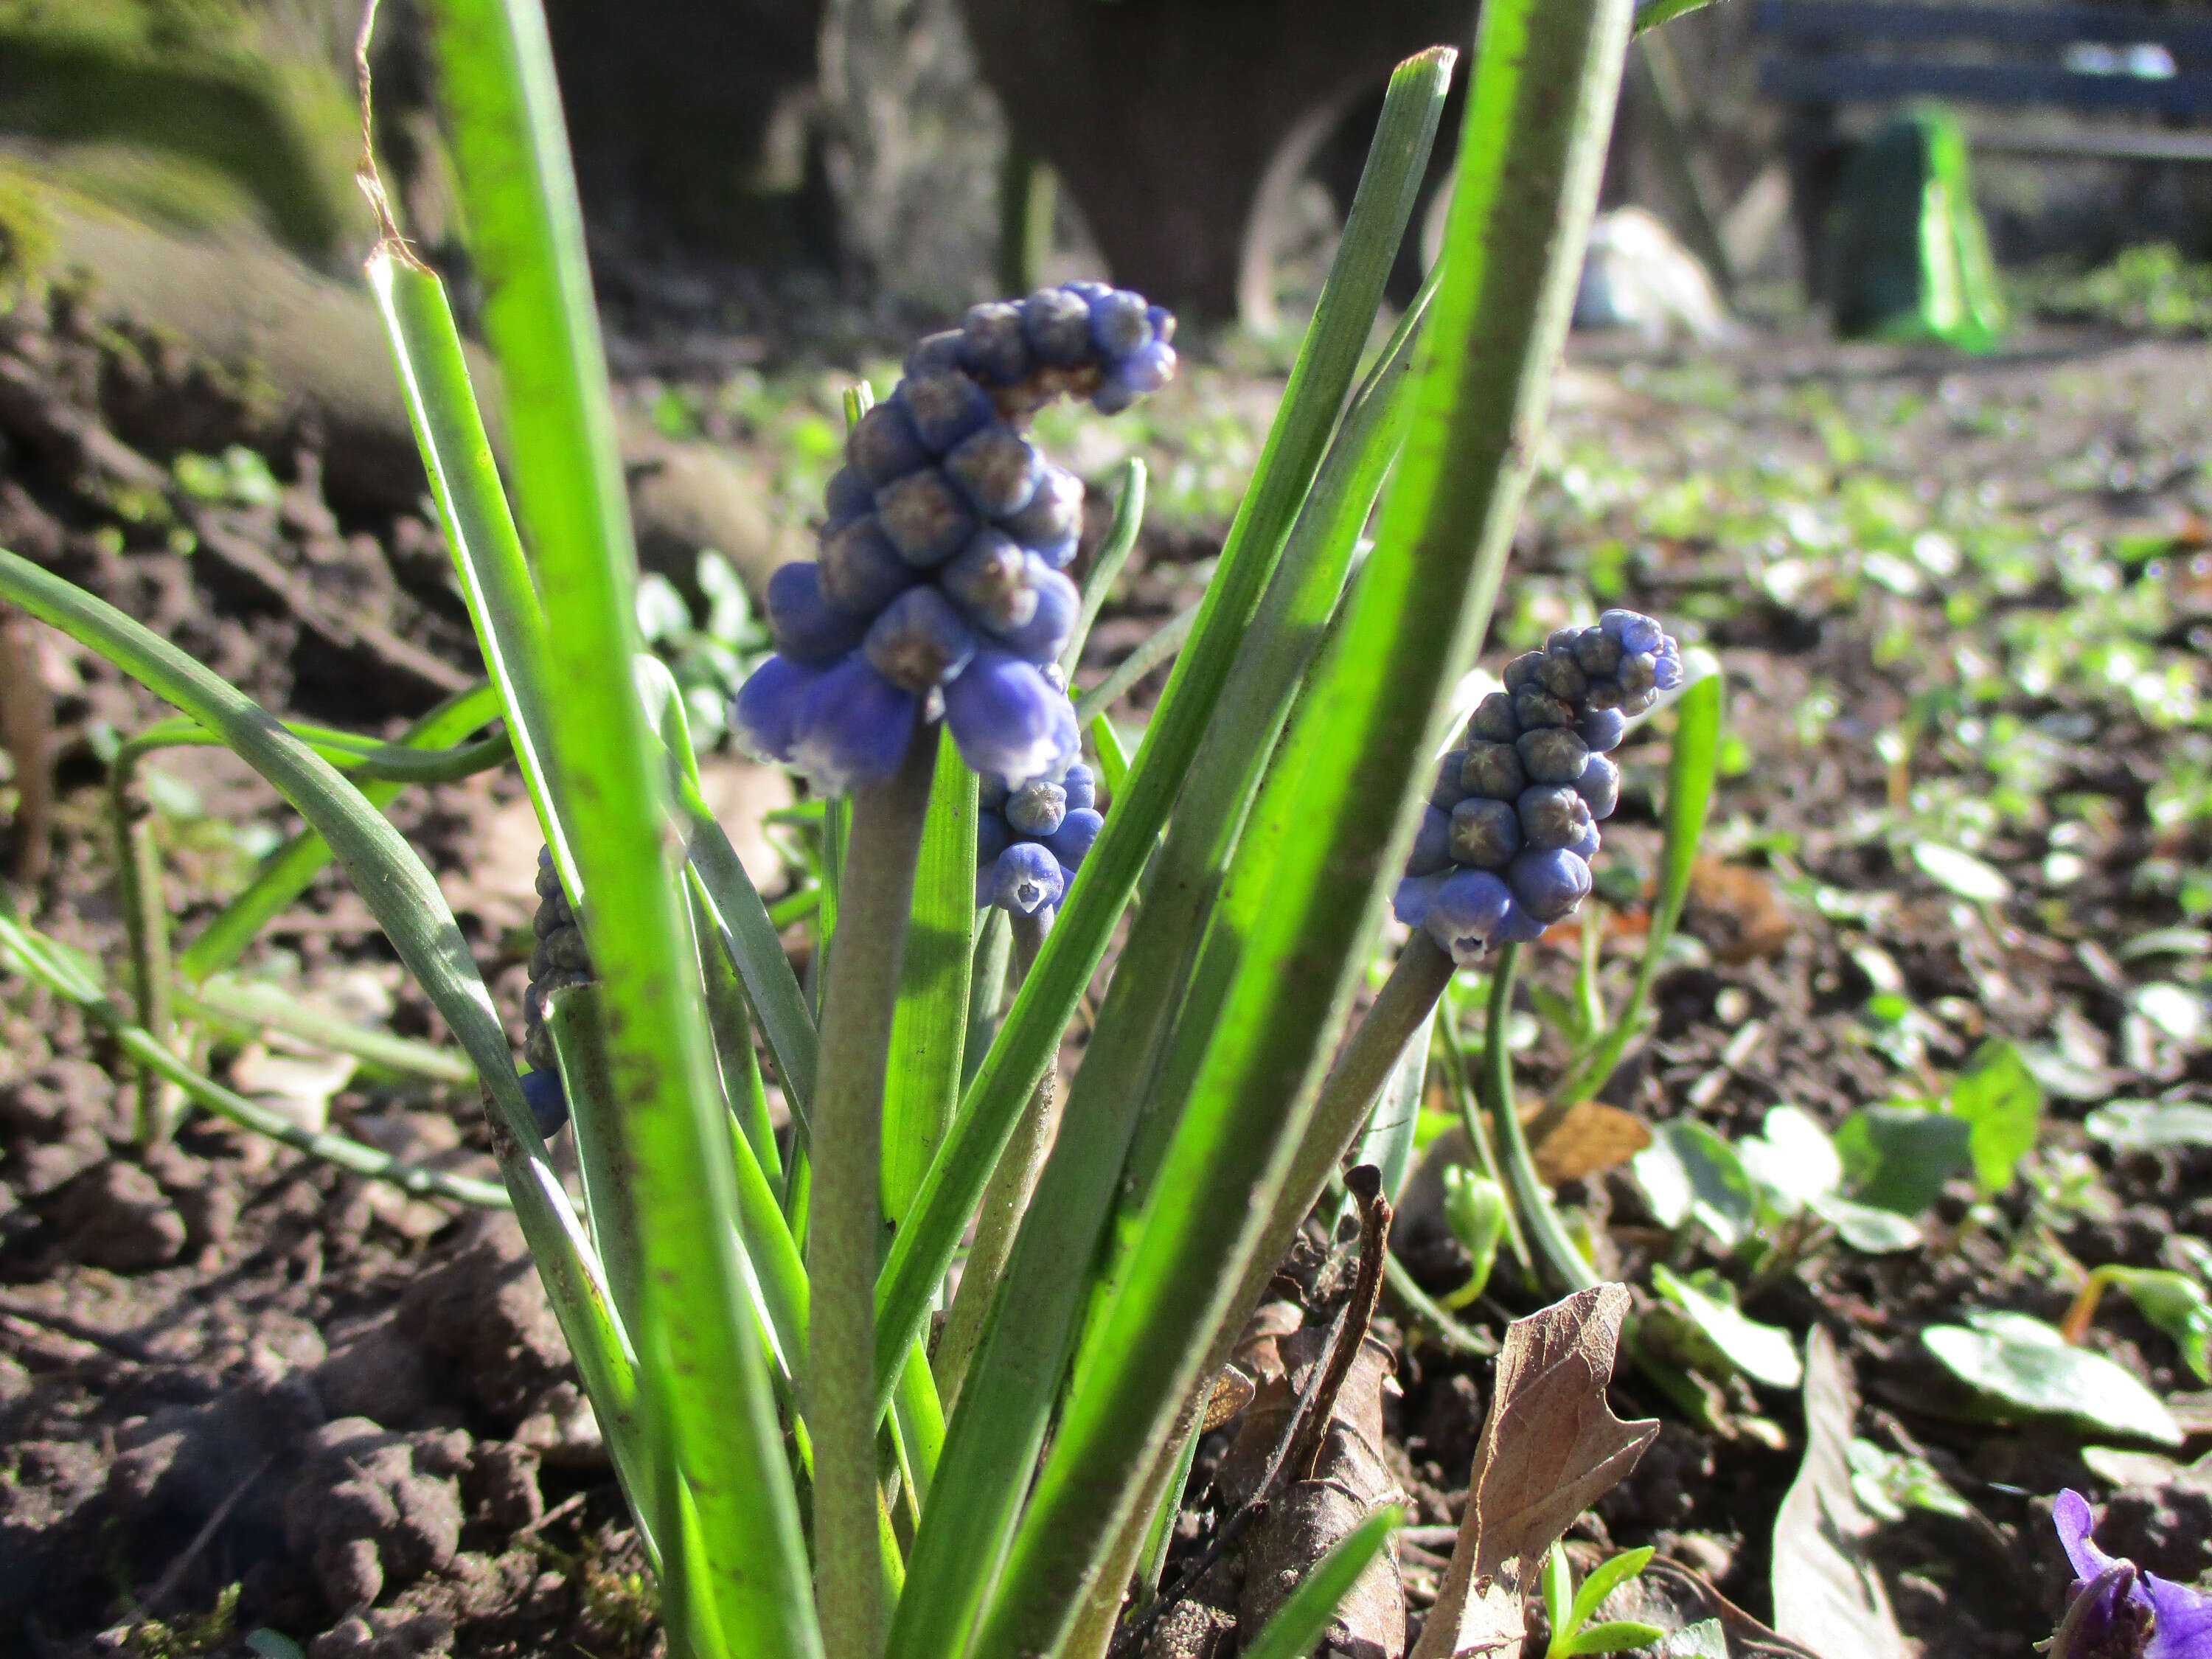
(2117, 1611)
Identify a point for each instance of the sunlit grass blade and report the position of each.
(1387, 1142)
(251, 1007)
(1301, 1621)
(35, 958)
(1299, 905)
(929, 1032)
(1106, 564)
(1692, 770)
(1552, 1251)
(1006, 1399)
(403, 898)
(1157, 647)
(286, 872)
(526, 235)
(472, 510)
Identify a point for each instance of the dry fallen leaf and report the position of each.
(1551, 1447)
(1736, 911)
(1591, 1138)
(1826, 1591)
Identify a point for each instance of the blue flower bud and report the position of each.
(1163, 321)
(1548, 882)
(1052, 524)
(933, 354)
(1410, 903)
(1553, 754)
(993, 837)
(1143, 372)
(1081, 788)
(1432, 843)
(1534, 707)
(1026, 877)
(1447, 791)
(1598, 653)
(1562, 677)
(944, 408)
(919, 640)
(997, 469)
(1089, 289)
(861, 571)
(767, 704)
(1600, 785)
(991, 793)
(1036, 809)
(1057, 325)
(1551, 815)
(548, 1102)
(1640, 702)
(1041, 638)
(991, 580)
(1635, 631)
(804, 624)
(1493, 769)
(1118, 323)
(1585, 844)
(1638, 671)
(1667, 669)
(853, 728)
(1603, 729)
(1522, 671)
(1071, 842)
(1009, 720)
(1493, 721)
(924, 518)
(845, 499)
(883, 445)
(993, 346)
(1465, 916)
(1484, 833)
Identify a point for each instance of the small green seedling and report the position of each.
(1569, 1610)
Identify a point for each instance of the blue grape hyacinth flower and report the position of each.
(2118, 1611)
(939, 584)
(1503, 848)
(1030, 841)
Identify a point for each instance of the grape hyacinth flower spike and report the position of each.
(1029, 841)
(2118, 1611)
(939, 585)
(1505, 844)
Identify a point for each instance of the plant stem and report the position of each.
(1555, 1251)
(860, 996)
(1470, 1115)
(1004, 1200)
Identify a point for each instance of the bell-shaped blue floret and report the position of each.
(1636, 631)
(1142, 373)
(1025, 877)
(921, 639)
(993, 835)
(1493, 769)
(1551, 814)
(861, 571)
(991, 581)
(1051, 525)
(924, 518)
(944, 409)
(1071, 842)
(1449, 789)
(993, 346)
(1549, 883)
(1041, 638)
(1553, 755)
(767, 704)
(1036, 809)
(1009, 720)
(853, 728)
(802, 622)
(1520, 927)
(933, 354)
(1585, 844)
(1600, 785)
(1484, 833)
(1667, 668)
(1410, 903)
(884, 446)
(1081, 788)
(1603, 729)
(1057, 325)
(547, 1100)
(844, 499)
(1432, 843)
(1494, 720)
(997, 469)
(1465, 914)
(1118, 323)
